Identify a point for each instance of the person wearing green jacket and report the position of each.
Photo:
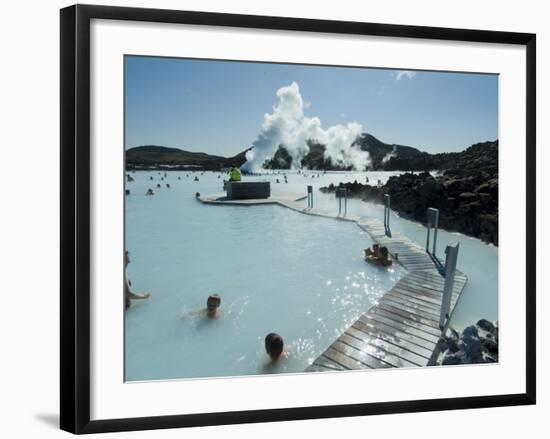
(234, 174)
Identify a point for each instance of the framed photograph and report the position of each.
(274, 218)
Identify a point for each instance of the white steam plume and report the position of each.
(288, 126)
(389, 155)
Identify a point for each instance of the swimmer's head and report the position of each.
(126, 257)
(274, 345)
(213, 303)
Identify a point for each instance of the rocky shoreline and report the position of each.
(476, 344)
(466, 194)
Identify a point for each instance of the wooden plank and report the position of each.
(400, 323)
(428, 325)
(325, 363)
(414, 300)
(435, 281)
(364, 357)
(344, 360)
(409, 285)
(376, 350)
(418, 345)
(412, 306)
(436, 302)
(425, 290)
(409, 325)
(339, 359)
(412, 259)
(424, 293)
(314, 367)
(353, 335)
(431, 285)
(435, 278)
(430, 320)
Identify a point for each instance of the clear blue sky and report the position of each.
(218, 106)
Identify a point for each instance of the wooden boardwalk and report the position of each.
(402, 329)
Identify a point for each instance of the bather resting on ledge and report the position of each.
(128, 292)
(378, 255)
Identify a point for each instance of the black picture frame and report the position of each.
(75, 217)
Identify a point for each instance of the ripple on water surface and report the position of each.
(276, 270)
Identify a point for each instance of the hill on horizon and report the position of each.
(155, 156)
(384, 156)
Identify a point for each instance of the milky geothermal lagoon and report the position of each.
(276, 270)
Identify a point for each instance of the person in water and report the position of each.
(274, 346)
(384, 254)
(378, 253)
(212, 304)
(150, 192)
(234, 174)
(128, 292)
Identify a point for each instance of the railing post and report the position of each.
(433, 221)
(451, 256)
(345, 201)
(429, 227)
(342, 192)
(387, 199)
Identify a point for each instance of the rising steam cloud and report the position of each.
(390, 155)
(288, 126)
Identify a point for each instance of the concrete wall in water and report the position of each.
(246, 190)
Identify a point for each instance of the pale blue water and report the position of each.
(477, 259)
(276, 270)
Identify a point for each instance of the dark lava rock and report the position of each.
(476, 344)
(452, 359)
(466, 194)
(486, 325)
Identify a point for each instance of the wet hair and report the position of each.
(274, 345)
(214, 301)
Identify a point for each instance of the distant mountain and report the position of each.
(162, 157)
(392, 156)
(384, 156)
